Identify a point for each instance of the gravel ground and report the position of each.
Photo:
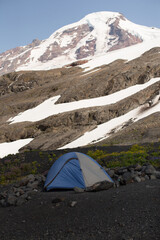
(131, 212)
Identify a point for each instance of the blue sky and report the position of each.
(21, 21)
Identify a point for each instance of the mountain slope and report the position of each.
(94, 35)
(69, 119)
(105, 100)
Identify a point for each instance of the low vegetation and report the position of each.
(14, 167)
(136, 154)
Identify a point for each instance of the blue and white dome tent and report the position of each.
(75, 169)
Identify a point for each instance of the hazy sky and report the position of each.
(21, 21)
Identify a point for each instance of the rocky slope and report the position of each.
(24, 90)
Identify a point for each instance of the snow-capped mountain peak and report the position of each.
(94, 35)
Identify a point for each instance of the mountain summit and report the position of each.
(94, 35)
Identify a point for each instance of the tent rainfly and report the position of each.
(75, 169)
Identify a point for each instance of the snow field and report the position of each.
(49, 108)
(103, 130)
(100, 32)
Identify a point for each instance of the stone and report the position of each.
(3, 195)
(146, 177)
(110, 172)
(19, 191)
(78, 190)
(135, 173)
(149, 170)
(116, 176)
(3, 203)
(33, 185)
(143, 168)
(23, 182)
(99, 186)
(122, 170)
(73, 203)
(40, 178)
(157, 174)
(132, 170)
(152, 177)
(137, 179)
(31, 193)
(27, 179)
(142, 179)
(127, 177)
(21, 200)
(17, 194)
(25, 196)
(120, 180)
(138, 167)
(139, 173)
(11, 200)
(116, 184)
(31, 178)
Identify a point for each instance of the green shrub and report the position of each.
(97, 155)
(34, 167)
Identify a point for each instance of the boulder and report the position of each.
(18, 191)
(146, 177)
(152, 177)
(116, 176)
(27, 179)
(138, 167)
(3, 203)
(137, 179)
(31, 178)
(149, 170)
(110, 172)
(127, 177)
(99, 186)
(11, 200)
(142, 179)
(40, 178)
(33, 185)
(116, 184)
(157, 174)
(122, 170)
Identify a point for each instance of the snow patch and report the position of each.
(104, 130)
(128, 54)
(13, 147)
(91, 72)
